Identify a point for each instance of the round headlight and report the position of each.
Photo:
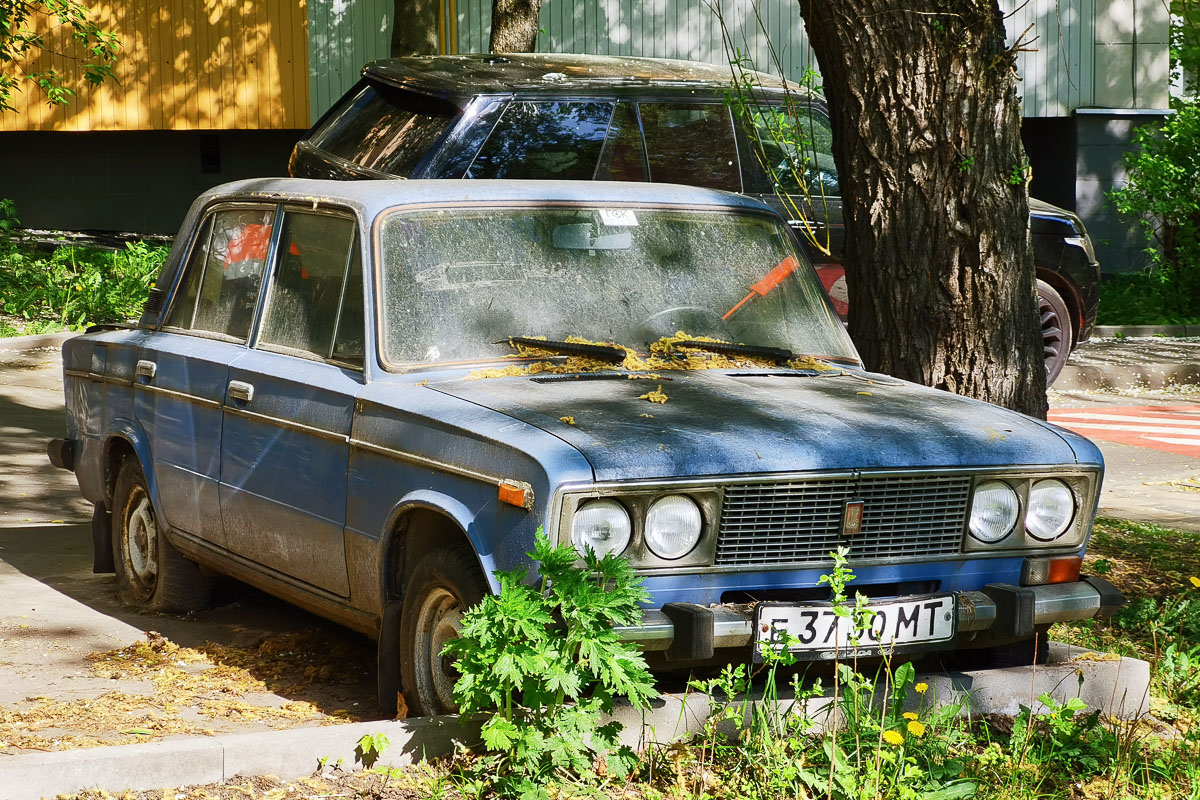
(1051, 509)
(672, 526)
(601, 526)
(994, 510)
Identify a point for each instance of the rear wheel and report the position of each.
(151, 573)
(1056, 330)
(445, 583)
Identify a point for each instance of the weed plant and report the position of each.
(72, 287)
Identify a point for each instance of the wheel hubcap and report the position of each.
(141, 540)
(438, 621)
(1053, 340)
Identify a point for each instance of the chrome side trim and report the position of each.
(202, 401)
(286, 423)
(431, 463)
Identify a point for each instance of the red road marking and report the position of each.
(1175, 429)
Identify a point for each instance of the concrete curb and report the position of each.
(1114, 686)
(1107, 331)
(35, 341)
(1085, 377)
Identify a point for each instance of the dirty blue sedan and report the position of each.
(367, 397)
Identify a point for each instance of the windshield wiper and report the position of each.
(600, 352)
(777, 354)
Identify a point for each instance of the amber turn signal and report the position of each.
(1040, 571)
(516, 494)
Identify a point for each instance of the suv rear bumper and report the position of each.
(1000, 609)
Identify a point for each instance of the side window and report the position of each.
(385, 128)
(623, 157)
(350, 335)
(797, 147)
(691, 144)
(555, 140)
(225, 272)
(307, 282)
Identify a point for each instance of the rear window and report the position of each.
(384, 128)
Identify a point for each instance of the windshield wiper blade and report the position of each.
(778, 354)
(600, 352)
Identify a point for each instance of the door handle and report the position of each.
(240, 390)
(146, 369)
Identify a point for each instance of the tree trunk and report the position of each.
(514, 25)
(927, 140)
(414, 29)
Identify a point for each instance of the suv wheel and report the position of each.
(1056, 329)
(445, 583)
(151, 573)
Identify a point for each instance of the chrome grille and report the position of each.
(799, 521)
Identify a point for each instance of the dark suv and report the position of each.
(633, 119)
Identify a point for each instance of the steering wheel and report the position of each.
(693, 320)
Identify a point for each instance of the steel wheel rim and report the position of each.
(1053, 339)
(141, 540)
(439, 620)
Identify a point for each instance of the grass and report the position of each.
(1145, 298)
(72, 287)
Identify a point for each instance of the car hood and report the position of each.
(718, 423)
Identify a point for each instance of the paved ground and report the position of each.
(54, 612)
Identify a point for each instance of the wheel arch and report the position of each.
(420, 522)
(117, 446)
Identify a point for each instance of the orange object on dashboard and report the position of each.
(768, 282)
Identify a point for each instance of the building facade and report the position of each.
(214, 91)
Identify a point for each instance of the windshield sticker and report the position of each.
(618, 218)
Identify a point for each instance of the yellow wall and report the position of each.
(184, 65)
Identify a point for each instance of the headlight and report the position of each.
(1051, 509)
(672, 526)
(994, 510)
(601, 526)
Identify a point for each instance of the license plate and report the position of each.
(816, 632)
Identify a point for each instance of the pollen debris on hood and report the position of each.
(569, 420)
(656, 396)
(668, 353)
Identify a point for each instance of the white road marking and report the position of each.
(1100, 426)
(1185, 442)
(1157, 418)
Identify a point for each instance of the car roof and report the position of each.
(462, 76)
(370, 197)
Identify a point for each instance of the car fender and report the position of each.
(133, 434)
(457, 512)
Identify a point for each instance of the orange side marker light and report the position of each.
(516, 493)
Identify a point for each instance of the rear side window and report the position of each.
(383, 128)
(691, 143)
(309, 281)
(551, 140)
(223, 277)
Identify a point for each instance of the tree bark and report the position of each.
(414, 29)
(514, 25)
(927, 140)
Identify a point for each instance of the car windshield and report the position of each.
(459, 283)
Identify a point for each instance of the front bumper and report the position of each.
(1000, 609)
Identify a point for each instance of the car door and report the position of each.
(182, 370)
(290, 402)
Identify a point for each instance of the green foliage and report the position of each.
(76, 286)
(545, 662)
(1144, 298)
(19, 42)
(1164, 193)
(1185, 43)
(8, 221)
(370, 747)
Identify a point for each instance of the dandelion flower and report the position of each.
(916, 728)
(893, 737)
(909, 715)
(1195, 581)
(921, 688)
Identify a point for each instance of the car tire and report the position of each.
(151, 573)
(444, 584)
(1056, 330)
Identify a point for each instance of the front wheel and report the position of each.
(1056, 330)
(445, 583)
(151, 573)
